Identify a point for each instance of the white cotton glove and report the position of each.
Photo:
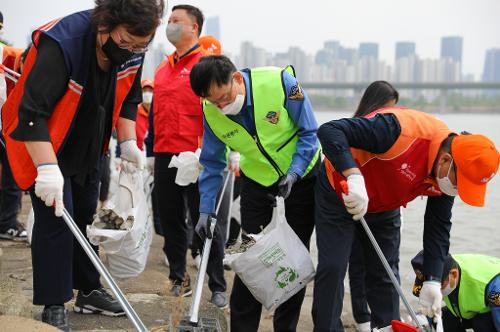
(356, 201)
(131, 153)
(430, 299)
(150, 164)
(234, 161)
(49, 185)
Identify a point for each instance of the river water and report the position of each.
(474, 230)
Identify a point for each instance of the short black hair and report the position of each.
(449, 264)
(193, 12)
(376, 95)
(140, 17)
(211, 69)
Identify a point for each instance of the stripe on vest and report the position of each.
(75, 87)
(128, 71)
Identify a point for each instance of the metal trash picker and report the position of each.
(193, 323)
(132, 315)
(386, 265)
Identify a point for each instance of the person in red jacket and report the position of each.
(177, 126)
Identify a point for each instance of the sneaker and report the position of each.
(98, 301)
(17, 233)
(363, 327)
(57, 316)
(181, 288)
(220, 300)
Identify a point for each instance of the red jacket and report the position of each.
(396, 177)
(141, 125)
(178, 116)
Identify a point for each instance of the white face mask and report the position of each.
(235, 107)
(447, 290)
(445, 184)
(147, 97)
(174, 32)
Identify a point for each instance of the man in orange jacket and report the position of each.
(177, 120)
(388, 158)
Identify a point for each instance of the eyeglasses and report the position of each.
(138, 49)
(227, 97)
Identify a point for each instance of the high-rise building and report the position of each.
(451, 47)
(404, 49)
(368, 50)
(212, 27)
(491, 71)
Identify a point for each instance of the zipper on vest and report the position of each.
(287, 141)
(267, 156)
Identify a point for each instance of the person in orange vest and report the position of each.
(388, 158)
(79, 82)
(375, 303)
(10, 196)
(141, 122)
(177, 126)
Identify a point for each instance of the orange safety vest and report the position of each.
(59, 123)
(397, 176)
(11, 58)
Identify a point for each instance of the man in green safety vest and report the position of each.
(471, 291)
(264, 114)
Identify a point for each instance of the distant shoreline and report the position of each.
(478, 110)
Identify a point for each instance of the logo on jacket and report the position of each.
(185, 71)
(272, 117)
(230, 134)
(407, 172)
(494, 299)
(296, 93)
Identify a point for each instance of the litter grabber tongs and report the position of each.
(131, 314)
(396, 326)
(193, 323)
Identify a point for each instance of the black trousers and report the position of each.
(256, 212)
(10, 196)
(59, 263)
(170, 199)
(357, 276)
(479, 323)
(335, 231)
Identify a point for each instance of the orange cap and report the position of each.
(211, 44)
(477, 162)
(147, 82)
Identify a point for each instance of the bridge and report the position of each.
(443, 87)
(405, 85)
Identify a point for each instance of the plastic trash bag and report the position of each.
(126, 249)
(277, 266)
(188, 167)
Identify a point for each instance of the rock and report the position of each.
(17, 323)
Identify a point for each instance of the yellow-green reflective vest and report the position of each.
(476, 271)
(267, 155)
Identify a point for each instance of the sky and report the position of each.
(277, 25)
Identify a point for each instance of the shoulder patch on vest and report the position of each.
(296, 93)
(494, 299)
(272, 117)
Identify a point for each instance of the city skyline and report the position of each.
(275, 25)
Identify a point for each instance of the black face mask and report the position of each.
(115, 54)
